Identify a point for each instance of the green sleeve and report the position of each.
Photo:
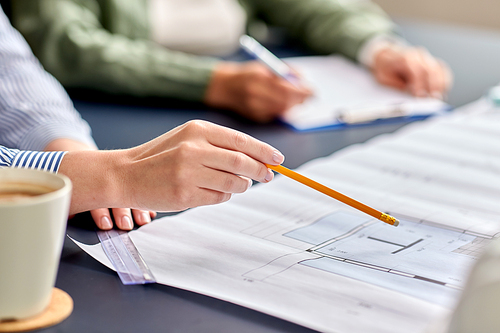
(325, 26)
(70, 41)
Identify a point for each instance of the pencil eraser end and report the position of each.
(396, 222)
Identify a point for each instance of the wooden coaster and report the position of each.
(59, 308)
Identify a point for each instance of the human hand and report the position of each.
(253, 91)
(197, 163)
(412, 69)
(123, 217)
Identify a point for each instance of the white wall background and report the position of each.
(474, 13)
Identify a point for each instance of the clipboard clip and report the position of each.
(370, 114)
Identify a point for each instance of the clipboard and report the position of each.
(347, 94)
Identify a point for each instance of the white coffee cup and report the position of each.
(32, 231)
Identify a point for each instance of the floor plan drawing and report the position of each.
(365, 249)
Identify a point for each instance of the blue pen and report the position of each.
(259, 52)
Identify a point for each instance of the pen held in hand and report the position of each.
(334, 194)
(275, 64)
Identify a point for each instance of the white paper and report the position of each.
(359, 98)
(289, 251)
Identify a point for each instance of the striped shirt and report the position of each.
(40, 160)
(34, 107)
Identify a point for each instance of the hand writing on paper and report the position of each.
(253, 91)
(413, 69)
(124, 217)
(197, 163)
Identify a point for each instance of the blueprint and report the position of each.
(424, 261)
(286, 250)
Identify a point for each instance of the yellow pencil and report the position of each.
(334, 194)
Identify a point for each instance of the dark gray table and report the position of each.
(103, 304)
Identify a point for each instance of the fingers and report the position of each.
(436, 75)
(102, 218)
(418, 76)
(224, 182)
(236, 163)
(428, 76)
(253, 91)
(391, 80)
(206, 197)
(141, 217)
(207, 148)
(270, 84)
(124, 218)
(199, 133)
(197, 163)
(275, 95)
(227, 138)
(299, 83)
(413, 69)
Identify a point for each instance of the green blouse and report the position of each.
(104, 44)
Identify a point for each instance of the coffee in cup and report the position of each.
(34, 208)
(14, 191)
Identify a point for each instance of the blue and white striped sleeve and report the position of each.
(40, 160)
(34, 107)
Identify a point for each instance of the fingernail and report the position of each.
(269, 176)
(127, 223)
(250, 183)
(278, 157)
(106, 223)
(146, 218)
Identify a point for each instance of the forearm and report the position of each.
(368, 51)
(116, 64)
(79, 51)
(64, 144)
(326, 27)
(94, 174)
(96, 178)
